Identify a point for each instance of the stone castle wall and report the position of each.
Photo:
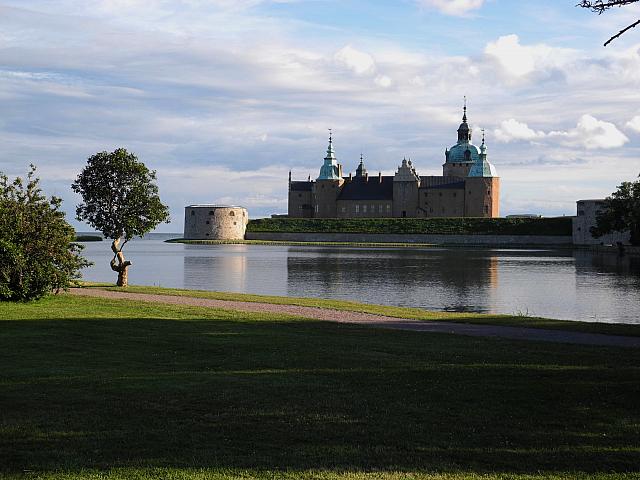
(215, 222)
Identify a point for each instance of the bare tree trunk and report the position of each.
(118, 263)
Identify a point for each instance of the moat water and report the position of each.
(564, 284)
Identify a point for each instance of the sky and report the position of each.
(223, 97)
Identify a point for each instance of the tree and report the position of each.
(621, 213)
(120, 199)
(601, 6)
(37, 253)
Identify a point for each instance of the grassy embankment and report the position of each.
(390, 311)
(560, 226)
(95, 388)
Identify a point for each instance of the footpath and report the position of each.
(379, 321)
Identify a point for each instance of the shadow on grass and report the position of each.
(87, 393)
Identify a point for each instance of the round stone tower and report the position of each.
(215, 222)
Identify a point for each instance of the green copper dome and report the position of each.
(464, 151)
(330, 170)
(482, 167)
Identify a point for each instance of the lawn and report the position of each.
(94, 388)
(390, 311)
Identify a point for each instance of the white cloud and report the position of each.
(592, 133)
(520, 60)
(383, 81)
(361, 63)
(453, 7)
(634, 124)
(512, 130)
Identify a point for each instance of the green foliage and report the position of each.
(621, 212)
(442, 226)
(37, 255)
(120, 195)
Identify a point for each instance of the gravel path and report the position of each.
(325, 314)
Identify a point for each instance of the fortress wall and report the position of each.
(215, 222)
(472, 240)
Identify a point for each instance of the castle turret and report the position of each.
(327, 187)
(406, 183)
(460, 158)
(482, 187)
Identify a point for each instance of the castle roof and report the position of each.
(301, 186)
(371, 189)
(441, 182)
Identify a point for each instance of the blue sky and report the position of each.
(223, 97)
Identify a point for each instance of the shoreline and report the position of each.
(408, 313)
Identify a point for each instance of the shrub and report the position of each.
(37, 253)
(442, 226)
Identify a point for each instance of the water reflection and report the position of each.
(557, 284)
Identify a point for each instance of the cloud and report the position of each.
(634, 124)
(591, 133)
(519, 60)
(361, 63)
(512, 130)
(453, 7)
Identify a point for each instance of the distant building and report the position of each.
(586, 218)
(215, 222)
(468, 187)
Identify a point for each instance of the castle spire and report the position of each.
(464, 132)
(464, 115)
(331, 169)
(361, 171)
(331, 154)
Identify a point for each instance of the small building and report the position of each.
(468, 187)
(586, 218)
(215, 222)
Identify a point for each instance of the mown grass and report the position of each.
(390, 311)
(96, 388)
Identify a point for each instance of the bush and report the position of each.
(435, 226)
(37, 253)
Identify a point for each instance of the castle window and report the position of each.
(388, 207)
(343, 209)
(373, 208)
(488, 192)
(193, 212)
(486, 209)
(299, 195)
(235, 223)
(380, 209)
(211, 212)
(357, 208)
(364, 209)
(208, 222)
(440, 194)
(455, 194)
(232, 214)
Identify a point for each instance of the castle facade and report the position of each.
(469, 187)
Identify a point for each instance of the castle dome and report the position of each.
(464, 151)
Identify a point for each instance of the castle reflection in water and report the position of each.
(558, 284)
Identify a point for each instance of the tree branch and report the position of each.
(621, 32)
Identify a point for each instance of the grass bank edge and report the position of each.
(156, 473)
(519, 320)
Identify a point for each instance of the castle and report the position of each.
(468, 187)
